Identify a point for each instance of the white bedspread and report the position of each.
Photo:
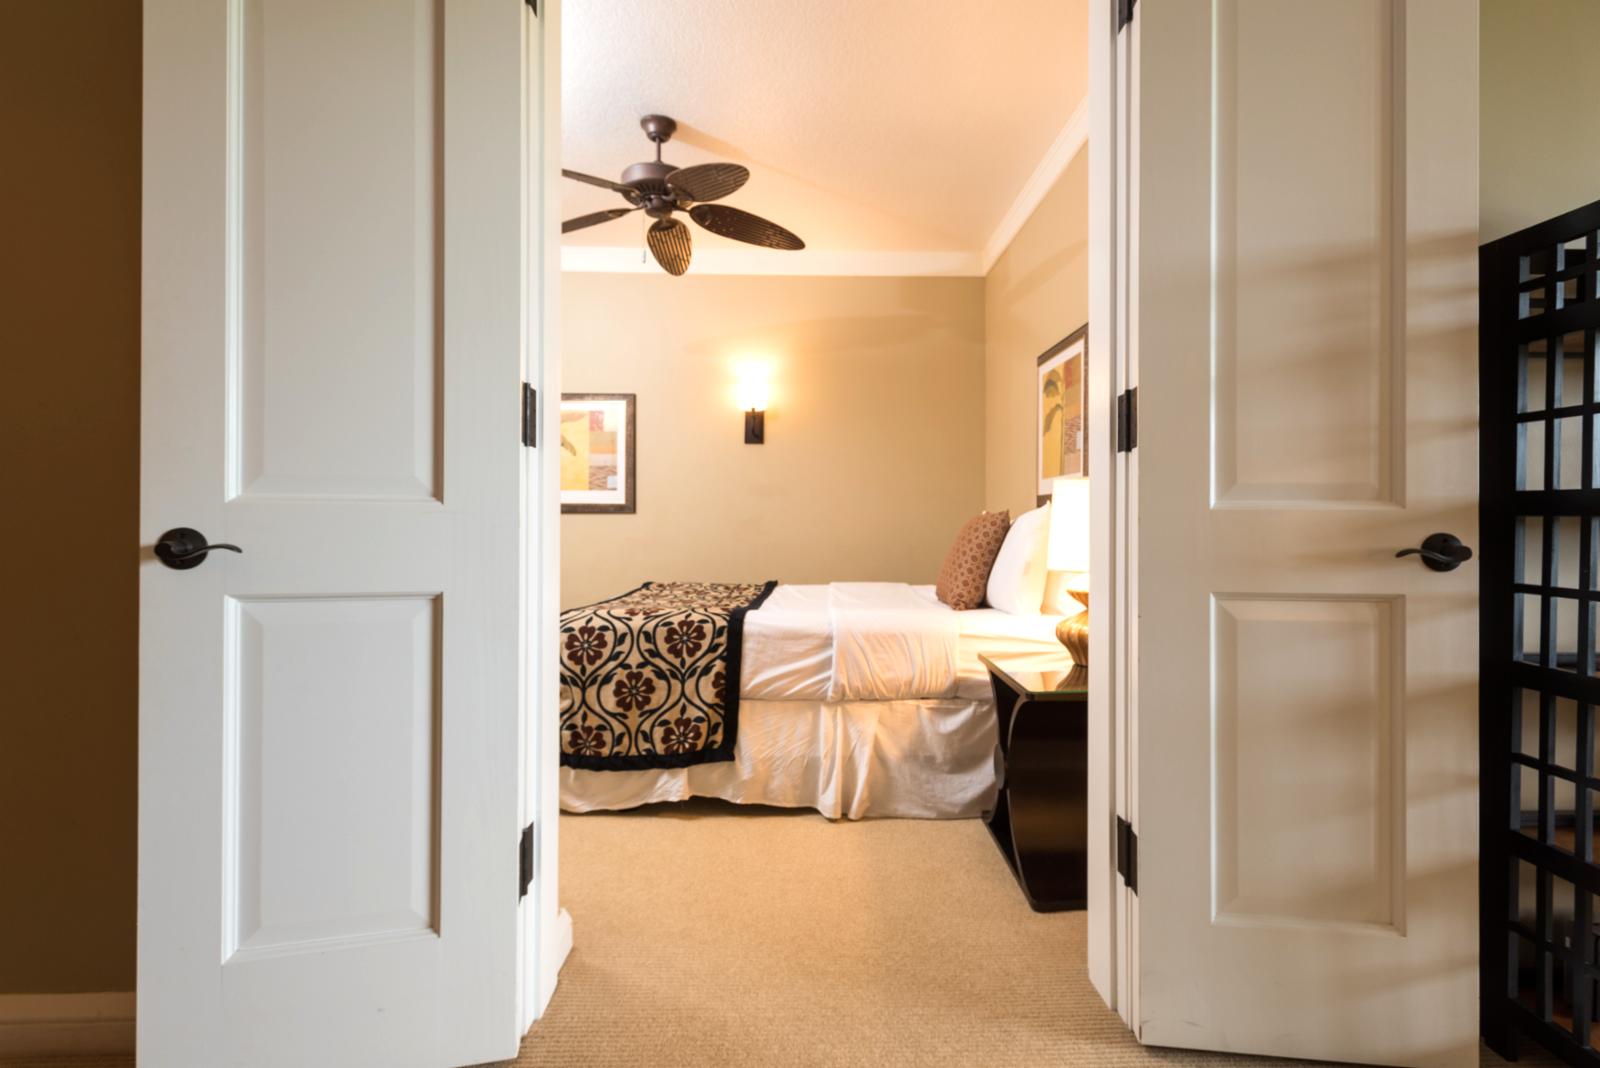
(890, 643)
(789, 644)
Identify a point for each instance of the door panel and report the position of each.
(1303, 201)
(334, 124)
(1314, 674)
(1304, 740)
(312, 681)
(334, 317)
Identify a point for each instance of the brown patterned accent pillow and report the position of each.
(964, 578)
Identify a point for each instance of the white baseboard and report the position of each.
(564, 938)
(33, 1024)
(561, 948)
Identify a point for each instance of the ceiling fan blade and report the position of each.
(603, 183)
(707, 181)
(670, 245)
(594, 219)
(742, 226)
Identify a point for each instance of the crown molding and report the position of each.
(1073, 136)
(607, 259)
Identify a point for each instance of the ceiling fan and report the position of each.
(659, 189)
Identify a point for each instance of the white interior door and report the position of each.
(334, 199)
(1305, 734)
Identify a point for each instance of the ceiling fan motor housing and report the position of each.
(649, 177)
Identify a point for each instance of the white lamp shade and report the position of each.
(754, 388)
(1069, 526)
(754, 394)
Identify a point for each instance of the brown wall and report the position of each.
(1036, 293)
(1539, 128)
(874, 452)
(69, 438)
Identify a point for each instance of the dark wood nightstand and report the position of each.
(1041, 819)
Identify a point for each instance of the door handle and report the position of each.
(1441, 552)
(183, 547)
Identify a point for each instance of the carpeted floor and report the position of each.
(716, 937)
(711, 936)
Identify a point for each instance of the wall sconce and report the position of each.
(753, 397)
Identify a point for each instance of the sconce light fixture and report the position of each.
(753, 397)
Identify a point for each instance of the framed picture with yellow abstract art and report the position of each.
(1061, 443)
(597, 452)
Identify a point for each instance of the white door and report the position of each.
(1305, 769)
(333, 303)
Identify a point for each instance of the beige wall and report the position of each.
(1540, 129)
(1036, 294)
(875, 448)
(69, 436)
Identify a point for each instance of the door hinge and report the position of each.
(525, 862)
(1124, 12)
(530, 416)
(1127, 854)
(1128, 420)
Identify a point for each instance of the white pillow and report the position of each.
(1016, 582)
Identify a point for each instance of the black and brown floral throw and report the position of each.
(653, 675)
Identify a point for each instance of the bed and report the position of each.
(856, 699)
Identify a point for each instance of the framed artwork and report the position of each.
(1061, 444)
(597, 452)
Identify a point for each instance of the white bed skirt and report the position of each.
(932, 759)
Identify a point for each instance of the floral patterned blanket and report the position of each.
(647, 674)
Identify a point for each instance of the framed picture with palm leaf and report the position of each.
(1061, 444)
(597, 452)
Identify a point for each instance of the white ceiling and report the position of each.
(870, 127)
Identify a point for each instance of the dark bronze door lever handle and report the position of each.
(183, 547)
(1441, 552)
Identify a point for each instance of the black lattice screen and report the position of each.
(1540, 589)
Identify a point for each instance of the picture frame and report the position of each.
(599, 450)
(1061, 411)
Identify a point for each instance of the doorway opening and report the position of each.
(768, 454)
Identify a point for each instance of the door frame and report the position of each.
(546, 928)
(1113, 142)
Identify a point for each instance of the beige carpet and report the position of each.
(710, 936)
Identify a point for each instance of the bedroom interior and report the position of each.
(878, 872)
(785, 643)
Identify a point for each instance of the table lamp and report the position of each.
(1069, 551)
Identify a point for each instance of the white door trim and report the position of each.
(547, 928)
(1105, 346)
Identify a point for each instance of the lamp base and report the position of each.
(1073, 632)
